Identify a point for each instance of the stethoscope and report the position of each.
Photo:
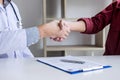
(19, 24)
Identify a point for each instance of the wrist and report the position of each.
(77, 26)
(41, 31)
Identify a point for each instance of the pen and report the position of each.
(72, 61)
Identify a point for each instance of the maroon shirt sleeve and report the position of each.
(99, 21)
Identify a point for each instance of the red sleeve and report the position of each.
(99, 21)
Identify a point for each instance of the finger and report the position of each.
(66, 33)
(57, 39)
(60, 39)
(64, 36)
(52, 37)
(67, 28)
(62, 24)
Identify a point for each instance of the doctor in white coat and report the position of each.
(14, 40)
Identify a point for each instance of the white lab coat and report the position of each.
(13, 42)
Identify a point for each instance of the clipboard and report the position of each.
(72, 64)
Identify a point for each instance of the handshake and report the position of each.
(56, 30)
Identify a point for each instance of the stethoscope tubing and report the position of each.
(14, 11)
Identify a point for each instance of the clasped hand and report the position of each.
(56, 30)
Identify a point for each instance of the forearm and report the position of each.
(43, 30)
(78, 26)
(33, 35)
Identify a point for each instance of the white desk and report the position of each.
(29, 69)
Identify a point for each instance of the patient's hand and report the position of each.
(65, 30)
(54, 29)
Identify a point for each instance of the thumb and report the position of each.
(61, 24)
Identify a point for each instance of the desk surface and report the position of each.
(30, 69)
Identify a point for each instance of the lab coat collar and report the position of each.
(6, 2)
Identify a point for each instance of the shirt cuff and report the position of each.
(88, 24)
(33, 35)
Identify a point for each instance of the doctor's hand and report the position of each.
(65, 28)
(54, 30)
(77, 26)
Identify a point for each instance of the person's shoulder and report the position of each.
(118, 0)
(13, 3)
(116, 4)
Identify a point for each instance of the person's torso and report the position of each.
(9, 21)
(113, 40)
